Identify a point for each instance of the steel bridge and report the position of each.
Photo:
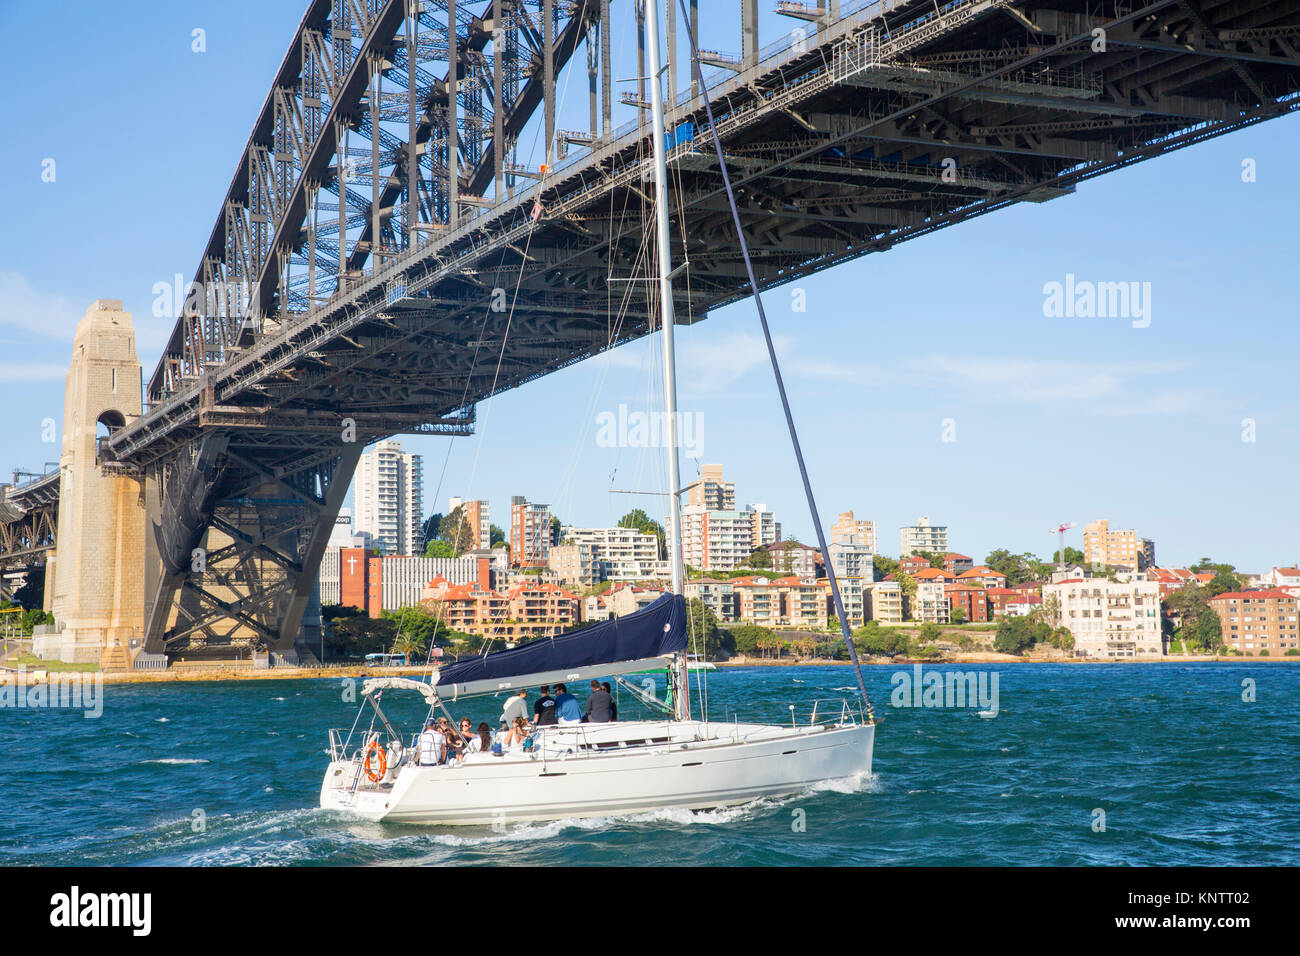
(390, 252)
(28, 523)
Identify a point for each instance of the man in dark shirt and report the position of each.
(544, 709)
(600, 705)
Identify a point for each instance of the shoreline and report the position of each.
(217, 674)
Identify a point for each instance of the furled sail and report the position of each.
(622, 645)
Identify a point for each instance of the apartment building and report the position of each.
(983, 576)
(930, 603)
(853, 594)
(624, 599)
(1109, 619)
(478, 516)
(955, 563)
(388, 498)
(1116, 548)
(1258, 623)
(758, 601)
(1284, 577)
(884, 602)
(971, 600)
(792, 557)
(852, 560)
(804, 603)
(530, 533)
(615, 554)
(934, 576)
(356, 578)
(710, 491)
(922, 536)
(717, 595)
(764, 527)
(715, 540)
(576, 565)
(913, 563)
(523, 611)
(1011, 602)
(1175, 579)
(855, 531)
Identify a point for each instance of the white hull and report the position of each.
(602, 769)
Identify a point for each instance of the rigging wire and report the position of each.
(776, 367)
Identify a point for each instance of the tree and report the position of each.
(642, 522)
(1223, 582)
(496, 536)
(1072, 555)
(555, 530)
(930, 632)
(936, 559)
(760, 558)
(702, 626)
(959, 615)
(874, 639)
(1015, 635)
(357, 634)
(1209, 632)
(430, 529)
(439, 549)
(746, 637)
(408, 644)
(32, 594)
(457, 532)
(883, 566)
(908, 584)
(1018, 568)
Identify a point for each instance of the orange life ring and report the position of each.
(373, 749)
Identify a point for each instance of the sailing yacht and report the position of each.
(597, 769)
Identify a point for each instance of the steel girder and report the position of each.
(838, 147)
(238, 543)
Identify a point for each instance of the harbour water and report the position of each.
(1186, 769)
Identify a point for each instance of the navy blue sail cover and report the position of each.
(658, 628)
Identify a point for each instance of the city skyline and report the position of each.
(1055, 419)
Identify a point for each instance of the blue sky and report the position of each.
(1056, 419)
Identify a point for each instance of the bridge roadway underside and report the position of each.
(861, 142)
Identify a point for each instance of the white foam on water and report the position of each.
(177, 760)
(854, 783)
(279, 698)
(162, 720)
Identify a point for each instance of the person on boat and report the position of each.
(544, 709)
(431, 744)
(613, 706)
(599, 705)
(481, 742)
(462, 736)
(450, 740)
(517, 737)
(567, 708)
(516, 706)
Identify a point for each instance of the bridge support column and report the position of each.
(98, 594)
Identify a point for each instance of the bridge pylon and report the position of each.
(93, 580)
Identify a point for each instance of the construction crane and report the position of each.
(1059, 531)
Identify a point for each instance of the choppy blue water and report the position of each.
(1186, 771)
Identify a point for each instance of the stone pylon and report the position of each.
(97, 592)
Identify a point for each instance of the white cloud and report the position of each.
(15, 372)
(1037, 380)
(44, 314)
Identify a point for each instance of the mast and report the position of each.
(845, 630)
(658, 134)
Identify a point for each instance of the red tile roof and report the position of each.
(1253, 595)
